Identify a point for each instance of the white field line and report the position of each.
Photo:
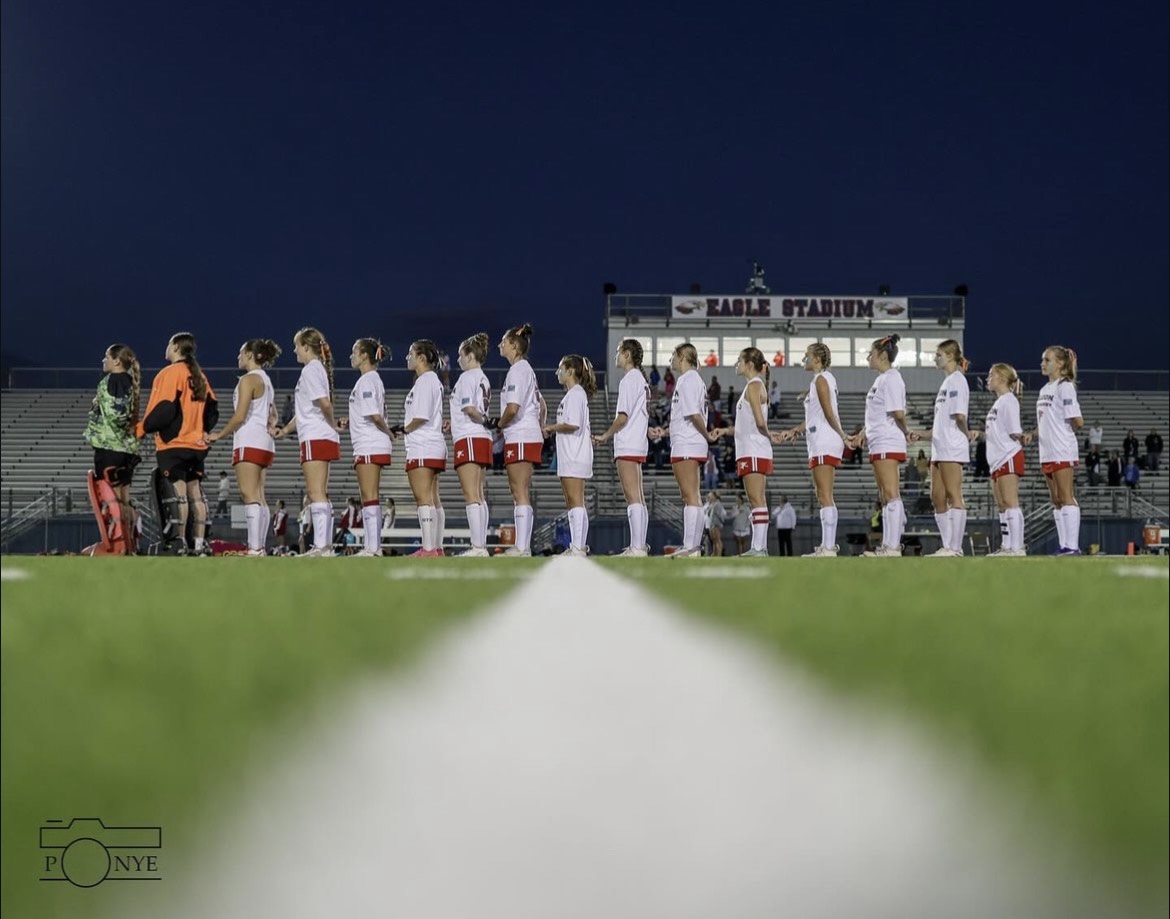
(1142, 571)
(582, 752)
(14, 574)
(448, 573)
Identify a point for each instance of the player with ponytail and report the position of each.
(110, 429)
(251, 425)
(630, 445)
(369, 435)
(471, 438)
(317, 432)
(575, 445)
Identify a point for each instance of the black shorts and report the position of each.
(116, 468)
(182, 464)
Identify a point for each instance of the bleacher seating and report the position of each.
(41, 432)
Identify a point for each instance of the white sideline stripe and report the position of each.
(699, 569)
(446, 573)
(14, 574)
(584, 752)
(1142, 571)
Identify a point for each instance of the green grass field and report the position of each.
(145, 689)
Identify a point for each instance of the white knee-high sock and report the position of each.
(1005, 541)
(265, 523)
(322, 513)
(639, 523)
(484, 523)
(252, 521)
(426, 523)
(1059, 518)
(958, 517)
(829, 526)
(440, 526)
(474, 522)
(1072, 525)
(1015, 528)
(692, 527)
(372, 525)
(523, 518)
(760, 528)
(944, 527)
(578, 527)
(895, 523)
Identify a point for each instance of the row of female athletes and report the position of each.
(182, 447)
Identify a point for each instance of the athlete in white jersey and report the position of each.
(885, 436)
(574, 445)
(426, 447)
(630, 445)
(522, 413)
(753, 445)
(1005, 455)
(826, 441)
(1058, 418)
(317, 432)
(950, 449)
(251, 426)
(472, 438)
(370, 436)
(689, 442)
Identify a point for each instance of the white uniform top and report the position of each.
(822, 439)
(520, 389)
(368, 398)
(575, 451)
(888, 394)
(1056, 404)
(254, 431)
(472, 390)
(425, 400)
(1003, 420)
(748, 439)
(633, 401)
(947, 443)
(313, 384)
(690, 398)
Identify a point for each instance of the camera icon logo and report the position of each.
(85, 852)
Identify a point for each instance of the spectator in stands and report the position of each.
(1093, 465)
(1130, 446)
(1133, 475)
(714, 516)
(280, 528)
(1095, 438)
(110, 429)
(712, 359)
(732, 403)
(1153, 450)
(711, 469)
(351, 519)
(224, 493)
(774, 400)
(668, 383)
(785, 519)
(655, 379)
(318, 434)
(1115, 470)
(778, 359)
(305, 525)
(714, 390)
(389, 514)
(253, 448)
(180, 426)
(912, 478)
(741, 525)
(923, 465)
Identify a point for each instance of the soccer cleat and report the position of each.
(318, 553)
(206, 550)
(517, 552)
(1007, 553)
(255, 553)
(575, 552)
(426, 553)
(474, 552)
(183, 550)
(1064, 551)
(754, 553)
(884, 552)
(944, 552)
(687, 553)
(822, 552)
(634, 552)
(368, 553)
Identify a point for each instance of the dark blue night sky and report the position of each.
(243, 168)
